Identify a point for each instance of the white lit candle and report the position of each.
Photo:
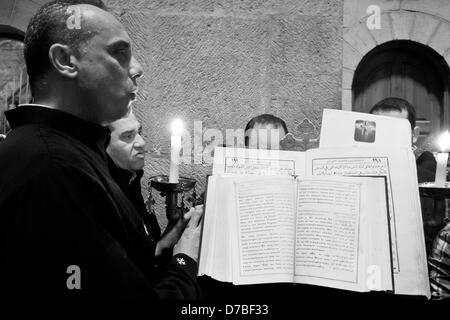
(13, 93)
(442, 158)
(175, 148)
(20, 87)
(27, 100)
(3, 113)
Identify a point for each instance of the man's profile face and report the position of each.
(127, 147)
(265, 136)
(107, 69)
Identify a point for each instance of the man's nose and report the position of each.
(139, 142)
(136, 70)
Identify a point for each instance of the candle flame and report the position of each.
(177, 127)
(444, 141)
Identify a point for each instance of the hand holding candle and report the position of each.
(175, 148)
(442, 158)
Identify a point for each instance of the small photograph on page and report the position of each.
(365, 131)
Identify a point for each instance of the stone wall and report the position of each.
(224, 62)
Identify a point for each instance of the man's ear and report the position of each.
(415, 134)
(63, 60)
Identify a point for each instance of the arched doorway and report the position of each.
(416, 73)
(408, 70)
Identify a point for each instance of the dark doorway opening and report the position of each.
(408, 70)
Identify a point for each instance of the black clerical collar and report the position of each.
(92, 135)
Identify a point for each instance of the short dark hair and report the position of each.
(49, 26)
(396, 104)
(265, 119)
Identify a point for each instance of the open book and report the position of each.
(381, 249)
(328, 231)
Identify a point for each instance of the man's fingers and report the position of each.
(188, 214)
(197, 215)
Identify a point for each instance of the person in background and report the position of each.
(439, 254)
(126, 158)
(439, 264)
(126, 151)
(400, 108)
(265, 132)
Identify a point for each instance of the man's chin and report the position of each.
(138, 164)
(119, 113)
(138, 168)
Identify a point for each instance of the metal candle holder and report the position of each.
(171, 191)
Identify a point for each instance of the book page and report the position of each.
(362, 166)
(376, 236)
(240, 161)
(406, 229)
(264, 230)
(327, 230)
(216, 250)
(354, 129)
(208, 230)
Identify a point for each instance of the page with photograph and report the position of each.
(353, 129)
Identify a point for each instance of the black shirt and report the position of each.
(426, 167)
(59, 206)
(132, 189)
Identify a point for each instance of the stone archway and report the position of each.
(11, 33)
(14, 18)
(400, 24)
(15, 14)
(407, 70)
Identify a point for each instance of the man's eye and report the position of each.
(127, 137)
(122, 54)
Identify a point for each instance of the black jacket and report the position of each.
(426, 167)
(132, 189)
(59, 207)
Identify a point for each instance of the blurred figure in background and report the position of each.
(126, 158)
(400, 108)
(126, 151)
(265, 132)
